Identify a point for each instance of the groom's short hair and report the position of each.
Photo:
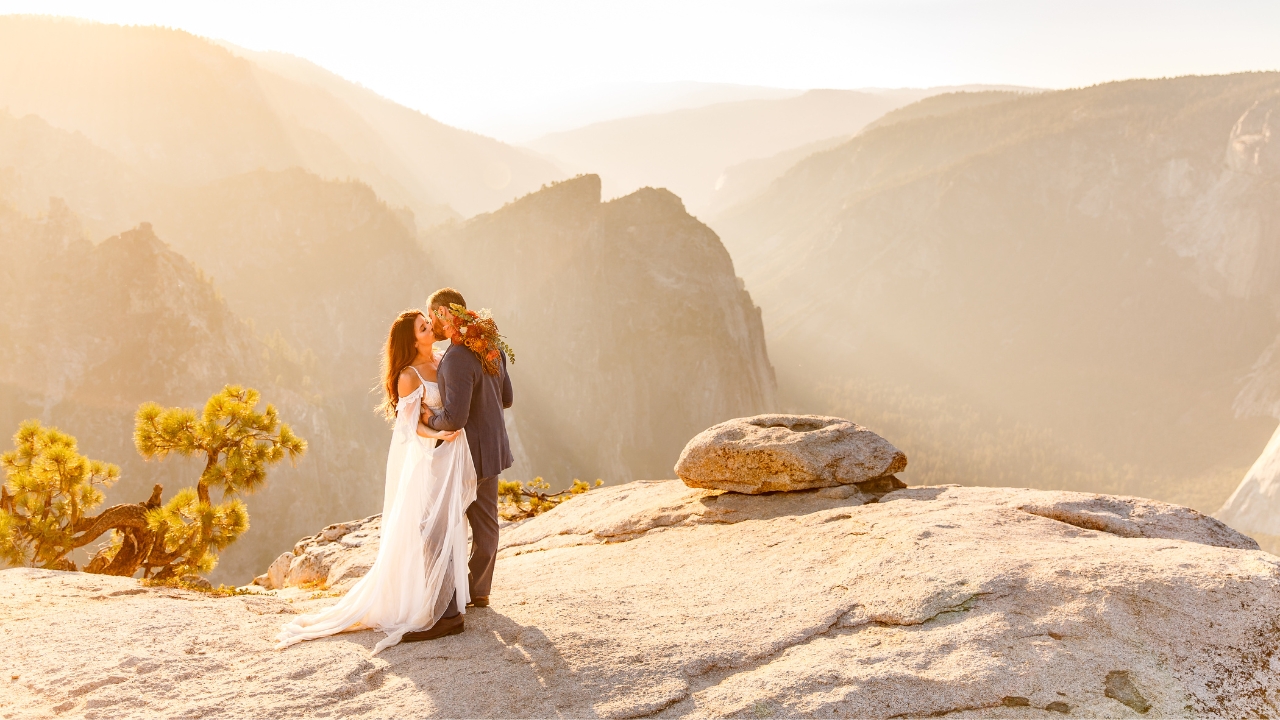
(445, 297)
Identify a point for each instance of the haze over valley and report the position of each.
(1076, 282)
(1018, 285)
(693, 151)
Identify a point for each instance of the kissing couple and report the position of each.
(448, 446)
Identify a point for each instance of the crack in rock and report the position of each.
(857, 616)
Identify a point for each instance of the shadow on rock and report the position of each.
(921, 493)
(496, 668)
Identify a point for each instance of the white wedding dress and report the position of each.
(422, 558)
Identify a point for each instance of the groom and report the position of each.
(474, 401)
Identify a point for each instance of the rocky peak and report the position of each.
(583, 190)
(647, 313)
(653, 203)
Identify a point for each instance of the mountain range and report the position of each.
(182, 111)
(689, 151)
(1063, 289)
(543, 113)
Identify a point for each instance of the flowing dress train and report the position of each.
(422, 557)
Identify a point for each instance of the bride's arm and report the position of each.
(427, 431)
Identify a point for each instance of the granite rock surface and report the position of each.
(656, 599)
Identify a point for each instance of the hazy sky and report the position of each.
(477, 64)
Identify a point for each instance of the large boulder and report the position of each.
(656, 599)
(769, 453)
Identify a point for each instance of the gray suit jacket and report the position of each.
(474, 401)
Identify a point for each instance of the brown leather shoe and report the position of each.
(481, 601)
(442, 628)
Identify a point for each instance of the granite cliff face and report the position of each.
(1092, 273)
(631, 330)
(652, 599)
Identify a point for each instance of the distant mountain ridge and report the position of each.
(39, 161)
(687, 150)
(556, 112)
(468, 171)
(942, 104)
(183, 110)
(1095, 264)
(743, 182)
(746, 180)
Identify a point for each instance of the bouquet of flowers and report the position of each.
(478, 331)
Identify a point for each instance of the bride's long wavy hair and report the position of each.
(402, 348)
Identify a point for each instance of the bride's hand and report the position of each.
(451, 436)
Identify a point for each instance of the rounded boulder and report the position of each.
(771, 453)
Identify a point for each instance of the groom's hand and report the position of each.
(426, 431)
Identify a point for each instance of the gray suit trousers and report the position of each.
(482, 515)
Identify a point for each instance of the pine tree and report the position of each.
(237, 443)
(520, 500)
(50, 486)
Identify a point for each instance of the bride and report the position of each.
(422, 558)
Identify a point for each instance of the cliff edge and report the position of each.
(655, 599)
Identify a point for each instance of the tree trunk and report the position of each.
(201, 546)
(137, 541)
(133, 515)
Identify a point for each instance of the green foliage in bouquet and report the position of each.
(519, 500)
(51, 487)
